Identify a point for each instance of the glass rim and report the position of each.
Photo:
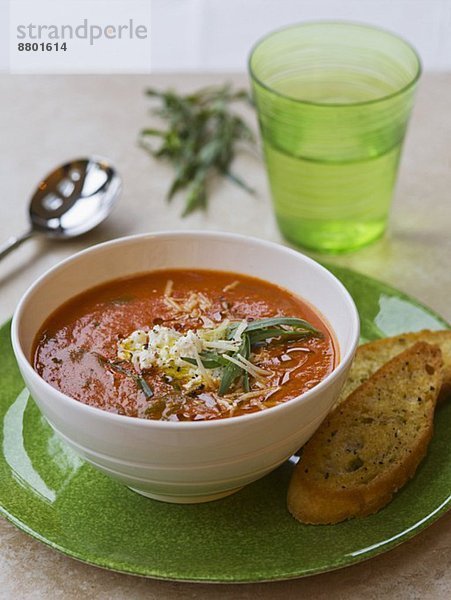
(344, 23)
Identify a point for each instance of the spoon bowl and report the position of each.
(74, 198)
(71, 200)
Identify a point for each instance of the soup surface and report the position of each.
(183, 345)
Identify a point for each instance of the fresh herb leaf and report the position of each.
(148, 392)
(229, 375)
(268, 328)
(277, 333)
(260, 330)
(246, 354)
(238, 181)
(115, 366)
(246, 347)
(156, 408)
(119, 368)
(200, 139)
(277, 321)
(124, 299)
(246, 383)
(210, 360)
(232, 371)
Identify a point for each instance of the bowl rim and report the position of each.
(25, 364)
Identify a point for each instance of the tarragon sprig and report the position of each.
(116, 366)
(199, 140)
(268, 330)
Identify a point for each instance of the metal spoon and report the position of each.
(71, 200)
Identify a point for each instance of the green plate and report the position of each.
(51, 494)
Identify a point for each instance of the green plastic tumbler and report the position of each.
(333, 101)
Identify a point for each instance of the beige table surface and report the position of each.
(45, 120)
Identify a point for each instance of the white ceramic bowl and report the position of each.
(188, 461)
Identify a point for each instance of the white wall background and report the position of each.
(216, 35)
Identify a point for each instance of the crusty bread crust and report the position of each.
(372, 443)
(372, 356)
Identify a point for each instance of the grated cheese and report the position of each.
(230, 286)
(168, 289)
(256, 393)
(171, 303)
(207, 322)
(167, 349)
(245, 365)
(240, 330)
(204, 301)
(203, 371)
(224, 345)
(256, 369)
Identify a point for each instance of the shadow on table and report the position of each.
(43, 246)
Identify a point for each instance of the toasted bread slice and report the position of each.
(372, 443)
(371, 356)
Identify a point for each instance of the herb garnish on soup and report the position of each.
(180, 345)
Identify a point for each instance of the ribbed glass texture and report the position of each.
(333, 101)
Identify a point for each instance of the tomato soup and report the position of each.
(184, 345)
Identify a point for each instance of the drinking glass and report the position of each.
(333, 101)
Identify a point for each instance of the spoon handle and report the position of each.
(13, 242)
